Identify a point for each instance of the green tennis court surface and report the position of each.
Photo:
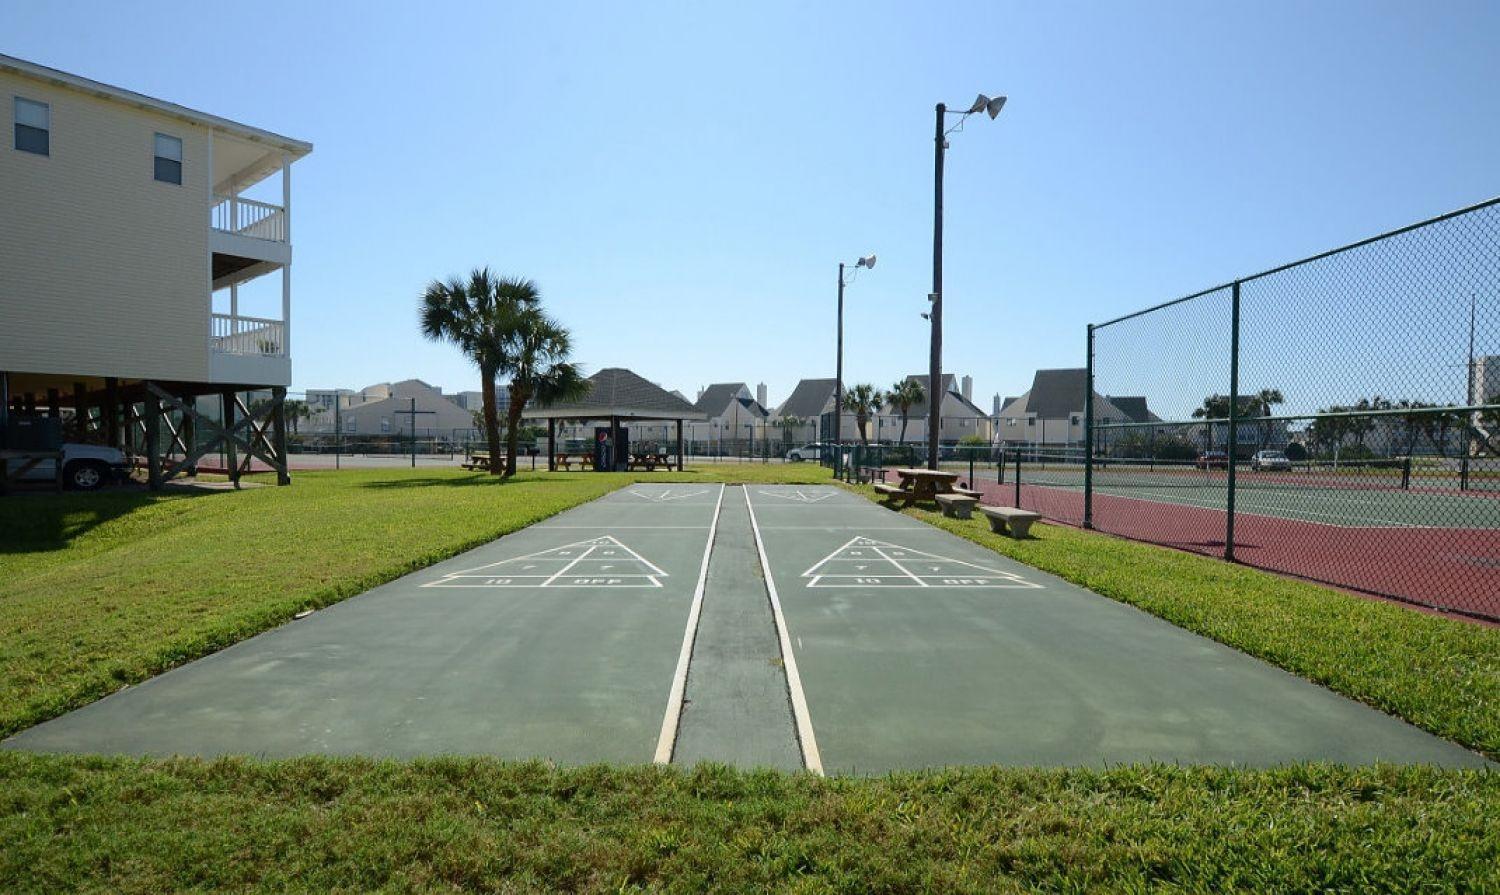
(642, 626)
(1350, 496)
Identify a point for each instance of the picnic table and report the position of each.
(566, 461)
(918, 485)
(650, 460)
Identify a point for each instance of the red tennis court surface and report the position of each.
(1452, 569)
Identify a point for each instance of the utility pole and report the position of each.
(935, 358)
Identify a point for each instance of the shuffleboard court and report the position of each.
(917, 648)
(558, 641)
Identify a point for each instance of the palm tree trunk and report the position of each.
(491, 420)
(863, 422)
(903, 426)
(513, 431)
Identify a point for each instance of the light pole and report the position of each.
(867, 262)
(992, 108)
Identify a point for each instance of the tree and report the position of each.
(1262, 403)
(478, 315)
(905, 395)
(863, 400)
(296, 412)
(538, 348)
(1215, 407)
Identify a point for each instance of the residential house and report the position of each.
(128, 227)
(385, 409)
(732, 416)
(807, 415)
(959, 416)
(1050, 413)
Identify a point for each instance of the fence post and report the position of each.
(1018, 478)
(1088, 436)
(1234, 419)
(338, 433)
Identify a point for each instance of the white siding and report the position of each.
(103, 269)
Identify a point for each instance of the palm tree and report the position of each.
(478, 316)
(905, 395)
(296, 412)
(538, 350)
(863, 400)
(1262, 404)
(1215, 407)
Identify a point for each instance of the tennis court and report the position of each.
(1381, 527)
(785, 626)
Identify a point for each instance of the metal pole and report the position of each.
(1018, 479)
(338, 433)
(413, 419)
(838, 369)
(1234, 419)
(1088, 436)
(935, 361)
(1463, 478)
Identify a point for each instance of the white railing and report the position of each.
(247, 217)
(253, 336)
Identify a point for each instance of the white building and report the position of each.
(128, 227)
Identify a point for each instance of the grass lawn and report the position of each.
(1440, 674)
(354, 825)
(101, 590)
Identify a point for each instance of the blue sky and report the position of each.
(682, 179)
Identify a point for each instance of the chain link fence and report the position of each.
(1337, 419)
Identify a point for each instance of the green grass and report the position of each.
(1441, 674)
(99, 591)
(322, 825)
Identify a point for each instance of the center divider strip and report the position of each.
(810, 757)
(667, 739)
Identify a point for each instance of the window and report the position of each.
(168, 159)
(33, 126)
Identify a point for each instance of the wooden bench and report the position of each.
(892, 493)
(566, 461)
(870, 474)
(477, 460)
(1009, 520)
(956, 506)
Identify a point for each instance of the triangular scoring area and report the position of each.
(866, 562)
(666, 494)
(798, 495)
(597, 562)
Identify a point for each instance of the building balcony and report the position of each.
(248, 349)
(249, 218)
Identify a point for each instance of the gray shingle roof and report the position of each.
(1057, 393)
(808, 400)
(1135, 408)
(715, 399)
(616, 391)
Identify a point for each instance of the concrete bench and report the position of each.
(892, 493)
(1009, 520)
(870, 474)
(956, 506)
(967, 492)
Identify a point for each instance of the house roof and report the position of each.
(1056, 393)
(616, 391)
(297, 148)
(715, 399)
(1134, 407)
(808, 400)
(952, 393)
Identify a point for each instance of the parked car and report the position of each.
(86, 467)
(812, 451)
(1213, 460)
(1274, 460)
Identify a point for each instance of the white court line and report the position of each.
(810, 757)
(904, 570)
(666, 741)
(570, 565)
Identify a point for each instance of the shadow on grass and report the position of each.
(39, 523)
(478, 479)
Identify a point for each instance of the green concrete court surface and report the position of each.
(642, 626)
